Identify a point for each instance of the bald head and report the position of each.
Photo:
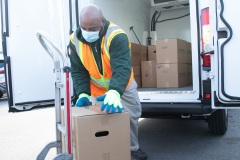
(91, 18)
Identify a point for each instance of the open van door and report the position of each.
(29, 69)
(225, 58)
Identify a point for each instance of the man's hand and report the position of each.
(83, 100)
(111, 101)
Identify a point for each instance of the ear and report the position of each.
(101, 32)
(103, 21)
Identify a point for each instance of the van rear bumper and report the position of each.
(149, 109)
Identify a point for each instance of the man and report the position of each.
(101, 68)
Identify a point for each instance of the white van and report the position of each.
(210, 26)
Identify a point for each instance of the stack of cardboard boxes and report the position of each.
(189, 63)
(149, 78)
(138, 54)
(167, 64)
(173, 63)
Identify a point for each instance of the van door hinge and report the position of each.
(210, 52)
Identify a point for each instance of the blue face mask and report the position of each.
(90, 36)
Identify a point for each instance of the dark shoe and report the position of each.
(139, 155)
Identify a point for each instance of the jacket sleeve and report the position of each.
(120, 61)
(80, 76)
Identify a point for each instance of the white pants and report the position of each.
(131, 103)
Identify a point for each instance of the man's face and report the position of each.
(91, 24)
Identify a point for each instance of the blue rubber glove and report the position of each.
(83, 100)
(111, 101)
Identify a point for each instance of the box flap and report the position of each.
(86, 111)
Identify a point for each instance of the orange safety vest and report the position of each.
(99, 84)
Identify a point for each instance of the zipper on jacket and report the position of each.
(98, 59)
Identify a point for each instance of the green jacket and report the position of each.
(119, 59)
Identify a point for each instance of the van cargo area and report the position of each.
(165, 36)
(165, 51)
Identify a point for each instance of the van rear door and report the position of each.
(225, 60)
(29, 69)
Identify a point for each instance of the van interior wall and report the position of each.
(177, 28)
(127, 13)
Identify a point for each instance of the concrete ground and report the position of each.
(24, 134)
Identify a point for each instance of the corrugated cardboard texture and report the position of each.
(100, 136)
(136, 70)
(189, 53)
(171, 51)
(152, 54)
(189, 74)
(171, 75)
(149, 78)
(136, 54)
(144, 53)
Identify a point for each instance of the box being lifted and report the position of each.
(100, 136)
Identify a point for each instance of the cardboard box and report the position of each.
(138, 79)
(189, 74)
(144, 53)
(152, 54)
(171, 51)
(136, 54)
(136, 70)
(189, 52)
(137, 75)
(149, 78)
(171, 75)
(100, 136)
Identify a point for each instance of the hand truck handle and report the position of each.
(43, 38)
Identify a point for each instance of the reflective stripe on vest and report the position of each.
(100, 81)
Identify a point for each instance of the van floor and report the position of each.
(185, 88)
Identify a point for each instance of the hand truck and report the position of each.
(66, 129)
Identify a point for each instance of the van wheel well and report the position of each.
(218, 122)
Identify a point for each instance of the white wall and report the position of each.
(138, 13)
(125, 14)
(179, 28)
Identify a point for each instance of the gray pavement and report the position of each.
(24, 134)
(169, 139)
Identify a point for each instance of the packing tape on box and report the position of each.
(165, 40)
(104, 119)
(96, 110)
(167, 65)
